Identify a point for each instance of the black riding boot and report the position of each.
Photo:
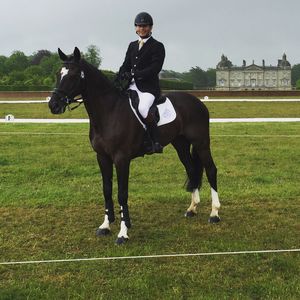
(152, 130)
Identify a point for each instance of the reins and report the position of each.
(79, 101)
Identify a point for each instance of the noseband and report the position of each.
(67, 100)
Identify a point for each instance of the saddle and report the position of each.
(162, 108)
(133, 95)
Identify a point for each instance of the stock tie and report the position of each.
(141, 43)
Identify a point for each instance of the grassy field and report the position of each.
(217, 110)
(51, 204)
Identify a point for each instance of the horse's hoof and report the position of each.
(121, 240)
(215, 219)
(190, 214)
(102, 231)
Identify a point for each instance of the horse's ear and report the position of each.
(77, 54)
(62, 56)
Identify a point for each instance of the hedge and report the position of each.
(164, 84)
(175, 85)
(22, 87)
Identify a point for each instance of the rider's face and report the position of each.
(143, 31)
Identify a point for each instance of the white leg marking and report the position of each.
(215, 203)
(195, 201)
(123, 231)
(196, 196)
(105, 224)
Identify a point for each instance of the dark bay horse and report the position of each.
(117, 136)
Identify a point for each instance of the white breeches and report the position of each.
(146, 100)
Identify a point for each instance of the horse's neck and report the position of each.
(100, 99)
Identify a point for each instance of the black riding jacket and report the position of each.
(145, 65)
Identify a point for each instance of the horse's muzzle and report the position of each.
(56, 106)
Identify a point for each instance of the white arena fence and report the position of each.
(226, 120)
(12, 119)
(158, 256)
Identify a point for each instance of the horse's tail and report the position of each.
(195, 181)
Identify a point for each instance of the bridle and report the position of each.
(67, 100)
(66, 97)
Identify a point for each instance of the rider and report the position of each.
(143, 62)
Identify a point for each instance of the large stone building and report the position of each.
(253, 77)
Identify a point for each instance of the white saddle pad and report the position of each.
(167, 113)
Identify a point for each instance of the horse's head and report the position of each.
(69, 83)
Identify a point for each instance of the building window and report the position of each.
(221, 82)
(284, 82)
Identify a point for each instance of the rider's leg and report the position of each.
(148, 113)
(151, 124)
(145, 103)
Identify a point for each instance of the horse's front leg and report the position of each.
(122, 168)
(106, 167)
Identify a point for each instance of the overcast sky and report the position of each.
(194, 32)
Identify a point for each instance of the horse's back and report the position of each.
(192, 119)
(189, 106)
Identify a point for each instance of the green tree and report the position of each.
(197, 76)
(17, 76)
(298, 84)
(92, 56)
(5, 80)
(170, 74)
(3, 69)
(48, 81)
(295, 73)
(18, 61)
(50, 65)
(37, 71)
(38, 56)
(211, 77)
(33, 71)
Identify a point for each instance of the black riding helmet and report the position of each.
(143, 18)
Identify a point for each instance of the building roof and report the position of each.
(225, 63)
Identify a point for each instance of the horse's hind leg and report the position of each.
(193, 169)
(106, 167)
(211, 173)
